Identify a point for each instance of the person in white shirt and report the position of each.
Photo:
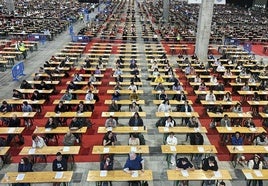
(214, 80)
(172, 140)
(210, 96)
(164, 107)
(89, 96)
(170, 122)
(220, 68)
(38, 142)
(197, 79)
(132, 87)
(256, 164)
(154, 66)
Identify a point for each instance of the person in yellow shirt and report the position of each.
(134, 96)
(159, 79)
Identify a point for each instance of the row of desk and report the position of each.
(120, 175)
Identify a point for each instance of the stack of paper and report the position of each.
(217, 174)
(135, 174)
(184, 173)
(200, 149)
(20, 177)
(106, 150)
(58, 175)
(103, 173)
(173, 148)
(258, 173)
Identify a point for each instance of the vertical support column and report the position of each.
(204, 29)
(165, 10)
(10, 6)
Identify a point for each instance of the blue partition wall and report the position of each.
(17, 71)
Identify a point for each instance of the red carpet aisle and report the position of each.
(258, 50)
(89, 139)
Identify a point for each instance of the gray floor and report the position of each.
(154, 161)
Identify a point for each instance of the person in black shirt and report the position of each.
(24, 166)
(197, 139)
(13, 122)
(108, 139)
(59, 164)
(59, 109)
(74, 125)
(51, 124)
(35, 97)
(210, 163)
(184, 164)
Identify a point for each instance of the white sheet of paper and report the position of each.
(103, 173)
(258, 173)
(249, 176)
(240, 148)
(20, 177)
(48, 129)
(188, 114)
(228, 128)
(111, 113)
(166, 129)
(266, 148)
(106, 150)
(166, 114)
(11, 130)
(217, 174)
(31, 151)
(252, 129)
(135, 174)
(173, 148)
(80, 114)
(66, 149)
(196, 129)
(240, 114)
(26, 114)
(58, 175)
(133, 149)
(184, 173)
(109, 128)
(200, 149)
(135, 128)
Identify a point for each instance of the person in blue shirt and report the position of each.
(237, 140)
(134, 162)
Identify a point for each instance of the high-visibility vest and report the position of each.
(22, 48)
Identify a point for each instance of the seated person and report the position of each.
(74, 125)
(210, 163)
(135, 120)
(162, 95)
(13, 122)
(114, 107)
(134, 107)
(134, 96)
(51, 124)
(172, 140)
(134, 139)
(109, 139)
(116, 95)
(164, 106)
(37, 141)
(184, 164)
(69, 139)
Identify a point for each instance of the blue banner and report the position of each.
(17, 71)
